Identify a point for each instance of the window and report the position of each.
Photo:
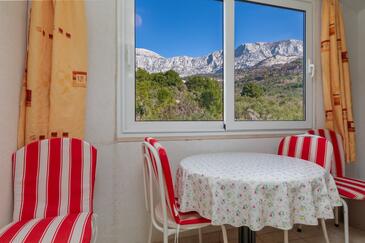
(214, 65)
(268, 71)
(179, 60)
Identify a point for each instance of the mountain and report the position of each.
(248, 55)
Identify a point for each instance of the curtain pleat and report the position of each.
(52, 102)
(336, 76)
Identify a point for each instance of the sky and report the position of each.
(195, 27)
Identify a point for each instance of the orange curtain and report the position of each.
(336, 76)
(53, 93)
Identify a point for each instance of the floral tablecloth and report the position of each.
(256, 190)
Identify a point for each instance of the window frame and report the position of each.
(125, 70)
(231, 123)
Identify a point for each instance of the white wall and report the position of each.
(355, 38)
(354, 13)
(119, 191)
(12, 53)
(119, 198)
(358, 82)
(359, 86)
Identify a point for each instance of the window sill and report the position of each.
(208, 136)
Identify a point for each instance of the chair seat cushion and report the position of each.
(350, 188)
(70, 228)
(186, 219)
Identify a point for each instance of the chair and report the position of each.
(166, 216)
(312, 148)
(53, 192)
(348, 188)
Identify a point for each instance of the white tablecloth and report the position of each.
(256, 190)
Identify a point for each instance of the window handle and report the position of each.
(311, 68)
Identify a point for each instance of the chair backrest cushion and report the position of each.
(151, 141)
(53, 177)
(312, 148)
(338, 161)
(167, 176)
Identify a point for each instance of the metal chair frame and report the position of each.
(149, 200)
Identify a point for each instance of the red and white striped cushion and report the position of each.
(73, 228)
(338, 161)
(53, 192)
(350, 188)
(168, 183)
(188, 218)
(53, 177)
(347, 187)
(179, 217)
(311, 148)
(152, 158)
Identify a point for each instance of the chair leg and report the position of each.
(346, 220)
(165, 235)
(336, 217)
(94, 223)
(286, 236)
(200, 235)
(150, 234)
(324, 229)
(299, 229)
(224, 233)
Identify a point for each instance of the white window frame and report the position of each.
(126, 124)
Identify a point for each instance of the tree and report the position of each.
(167, 79)
(252, 90)
(207, 99)
(164, 95)
(142, 75)
(173, 78)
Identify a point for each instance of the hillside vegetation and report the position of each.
(166, 96)
(264, 93)
(270, 93)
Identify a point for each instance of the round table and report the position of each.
(256, 190)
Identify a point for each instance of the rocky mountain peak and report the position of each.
(247, 55)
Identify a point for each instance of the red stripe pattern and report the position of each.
(311, 148)
(69, 228)
(350, 188)
(338, 161)
(76, 177)
(177, 216)
(347, 187)
(31, 165)
(53, 192)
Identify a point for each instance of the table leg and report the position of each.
(245, 235)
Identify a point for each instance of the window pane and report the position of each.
(179, 60)
(269, 69)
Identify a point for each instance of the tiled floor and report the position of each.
(310, 234)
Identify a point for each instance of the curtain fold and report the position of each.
(52, 102)
(336, 76)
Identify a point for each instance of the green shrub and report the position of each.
(164, 95)
(252, 90)
(207, 98)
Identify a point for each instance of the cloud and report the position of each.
(138, 20)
